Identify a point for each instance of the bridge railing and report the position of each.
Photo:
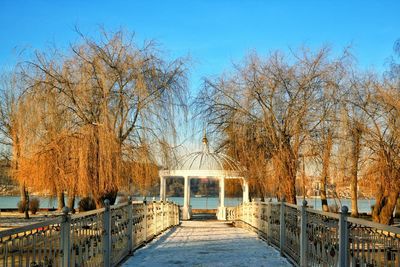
(102, 237)
(309, 237)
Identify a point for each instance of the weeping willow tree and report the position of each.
(257, 163)
(14, 115)
(92, 118)
(382, 139)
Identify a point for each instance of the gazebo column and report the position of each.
(221, 209)
(186, 213)
(163, 185)
(245, 191)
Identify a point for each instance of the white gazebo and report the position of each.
(205, 164)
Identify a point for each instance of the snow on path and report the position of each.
(207, 243)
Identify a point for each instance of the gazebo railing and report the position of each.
(102, 237)
(309, 237)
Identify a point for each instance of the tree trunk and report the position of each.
(290, 183)
(355, 155)
(354, 195)
(71, 202)
(326, 157)
(26, 205)
(322, 191)
(288, 171)
(291, 191)
(60, 200)
(324, 199)
(98, 198)
(378, 205)
(110, 195)
(22, 191)
(287, 186)
(384, 207)
(397, 213)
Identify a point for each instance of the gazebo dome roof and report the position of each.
(207, 160)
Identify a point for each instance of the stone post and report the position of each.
(282, 227)
(65, 240)
(145, 220)
(155, 219)
(268, 222)
(162, 215)
(130, 225)
(169, 214)
(107, 234)
(303, 234)
(260, 224)
(343, 238)
(177, 215)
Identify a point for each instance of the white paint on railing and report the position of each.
(100, 237)
(316, 238)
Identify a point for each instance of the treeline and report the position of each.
(203, 187)
(92, 120)
(5, 178)
(101, 117)
(287, 116)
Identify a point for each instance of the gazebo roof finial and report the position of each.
(206, 148)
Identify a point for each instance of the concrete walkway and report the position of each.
(207, 243)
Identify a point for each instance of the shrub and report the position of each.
(86, 204)
(122, 199)
(21, 206)
(34, 205)
(333, 208)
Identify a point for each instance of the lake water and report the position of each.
(9, 202)
(364, 205)
(196, 202)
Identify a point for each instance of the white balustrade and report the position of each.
(102, 237)
(309, 237)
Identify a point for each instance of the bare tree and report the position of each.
(354, 121)
(324, 137)
(327, 145)
(279, 99)
(12, 132)
(381, 107)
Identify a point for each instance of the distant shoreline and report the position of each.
(9, 190)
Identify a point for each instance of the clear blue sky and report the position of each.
(214, 33)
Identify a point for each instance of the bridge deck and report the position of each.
(207, 243)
